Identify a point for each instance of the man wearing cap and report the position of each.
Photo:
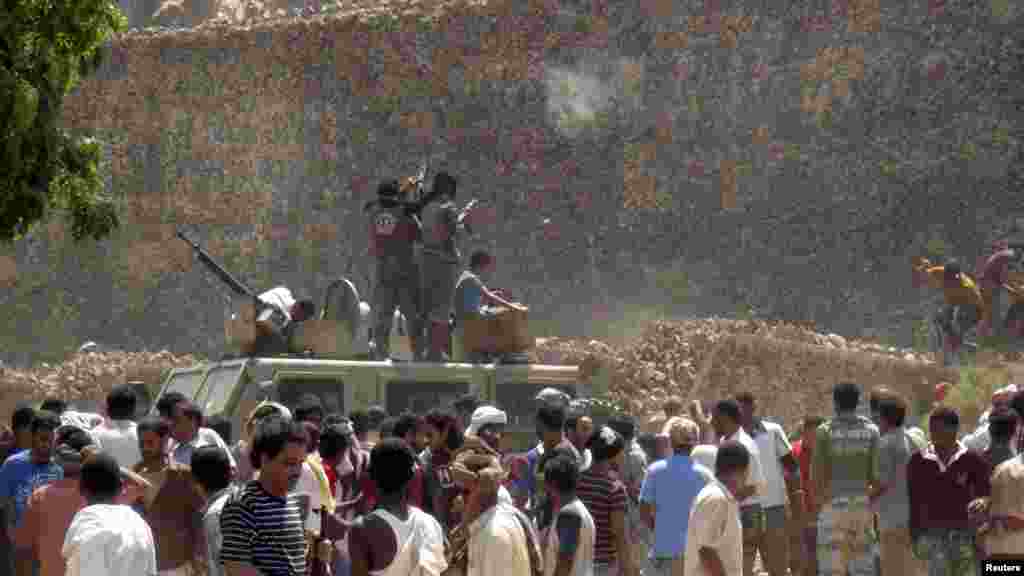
(667, 494)
(979, 440)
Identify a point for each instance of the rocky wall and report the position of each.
(682, 157)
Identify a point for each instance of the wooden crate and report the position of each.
(240, 326)
(504, 332)
(325, 338)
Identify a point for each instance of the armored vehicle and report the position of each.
(232, 388)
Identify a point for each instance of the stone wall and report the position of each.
(693, 158)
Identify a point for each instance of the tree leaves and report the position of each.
(46, 49)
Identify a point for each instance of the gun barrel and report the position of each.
(236, 286)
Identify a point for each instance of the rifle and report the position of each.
(237, 287)
(466, 209)
(412, 207)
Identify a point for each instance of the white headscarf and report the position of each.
(485, 415)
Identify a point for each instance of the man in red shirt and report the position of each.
(947, 473)
(803, 539)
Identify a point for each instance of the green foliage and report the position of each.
(972, 394)
(582, 24)
(935, 247)
(45, 50)
(673, 282)
(383, 23)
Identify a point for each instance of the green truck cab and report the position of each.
(232, 388)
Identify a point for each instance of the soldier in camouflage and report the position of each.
(844, 469)
(394, 231)
(442, 223)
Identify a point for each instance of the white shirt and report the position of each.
(714, 523)
(182, 452)
(772, 443)
(588, 459)
(755, 472)
(420, 545)
(310, 486)
(281, 299)
(705, 454)
(109, 540)
(583, 561)
(504, 496)
(498, 544)
(979, 440)
(361, 345)
(120, 439)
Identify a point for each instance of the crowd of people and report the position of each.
(717, 492)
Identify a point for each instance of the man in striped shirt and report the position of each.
(262, 524)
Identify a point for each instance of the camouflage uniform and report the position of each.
(440, 269)
(846, 458)
(393, 235)
(947, 552)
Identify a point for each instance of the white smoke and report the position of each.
(582, 99)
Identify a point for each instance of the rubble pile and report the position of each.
(790, 367)
(84, 376)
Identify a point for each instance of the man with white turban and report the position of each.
(488, 425)
(979, 440)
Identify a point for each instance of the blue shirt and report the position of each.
(671, 486)
(469, 295)
(20, 476)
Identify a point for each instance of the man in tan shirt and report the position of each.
(172, 503)
(1004, 537)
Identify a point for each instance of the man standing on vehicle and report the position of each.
(471, 295)
(442, 223)
(394, 233)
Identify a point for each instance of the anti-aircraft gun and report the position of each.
(255, 326)
(270, 324)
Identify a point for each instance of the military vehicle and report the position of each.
(232, 388)
(321, 360)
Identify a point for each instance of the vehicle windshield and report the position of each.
(185, 382)
(220, 383)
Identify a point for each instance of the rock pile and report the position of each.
(790, 367)
(84, 376)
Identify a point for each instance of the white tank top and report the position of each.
(583, 563)
(420, 544)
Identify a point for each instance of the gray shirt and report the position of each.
(211, 529)
(894, 451)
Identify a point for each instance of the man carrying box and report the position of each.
(471, 300)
